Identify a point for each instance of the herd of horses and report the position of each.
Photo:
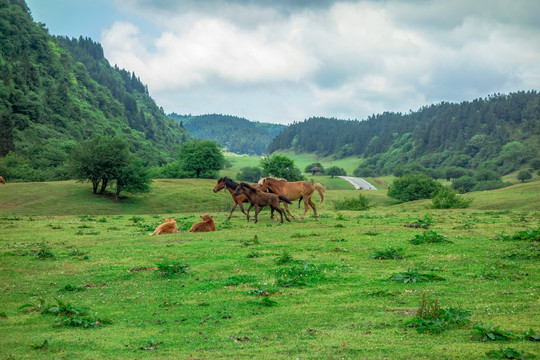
(271, 192)
(268, 192)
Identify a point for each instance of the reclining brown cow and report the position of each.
(168, 227)
(204, 226)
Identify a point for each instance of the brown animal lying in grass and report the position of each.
(2, 181)
(204, 226)
(168, 227)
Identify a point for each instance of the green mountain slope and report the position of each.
(55, 92)
(236, 134)
(500, 133)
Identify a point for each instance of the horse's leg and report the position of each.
(306, 207)
(232, 210)
(299, 201)
(247, 214)
(314, 209)
(241, 207)
(287, 210)
(257, 209)
(282, 212)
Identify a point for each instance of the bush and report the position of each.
(446, 198)
(356, 204)
(429, 237)
(464, 184)
(249, 174)
(490, 185)
(413, 186)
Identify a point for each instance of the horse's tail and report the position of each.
(321, 189)
(283, 198)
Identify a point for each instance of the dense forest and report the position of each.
(235, 134)
(500, 133)
(56, 91)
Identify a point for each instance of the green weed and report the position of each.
(44, 252)
(236, 280)
(43, 346)
(169, 269)
(431, 318)
(490, 333)
(531, 235)
(508, 353)
(298, 275)
(72, 288)
(424, 223)
(429, 237)
(387, 254)
(284, 258)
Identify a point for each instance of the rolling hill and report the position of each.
(235, 134)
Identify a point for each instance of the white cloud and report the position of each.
(344, 59)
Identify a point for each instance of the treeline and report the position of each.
(235, 134)
(500, 133)
(55, 92)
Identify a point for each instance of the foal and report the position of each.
(260, 199)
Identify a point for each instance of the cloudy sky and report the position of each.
(282, 61)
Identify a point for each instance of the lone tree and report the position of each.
(336, 170)
(200, 156)
(524, 175)
(98, 160)
(281, 166)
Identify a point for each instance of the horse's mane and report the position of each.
(230, 183)
(248, 186)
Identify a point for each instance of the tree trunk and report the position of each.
(103, 185)
(198, 172)
(95, 186)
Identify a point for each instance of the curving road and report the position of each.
(359, 184)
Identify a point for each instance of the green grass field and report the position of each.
(305, 290)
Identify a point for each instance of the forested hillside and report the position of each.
(236, 134)
(499, 133)
(55, 92)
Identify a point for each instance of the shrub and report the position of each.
(490, 333)
(356, 204)
(508, 353)
(429, 237)
(413, 186)
(424, 223)
(249, 174)
(464, 184)
(297, 275)
(446, 198)
(490, 185)
(388, 253)
(430, 318)
(171, 269)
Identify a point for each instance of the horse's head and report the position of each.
(220, 184)
(239, 190)
(263, 185)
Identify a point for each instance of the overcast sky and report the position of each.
(283, 61)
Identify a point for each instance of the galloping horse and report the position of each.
(231, 186)
(295, 190)
(261, 199)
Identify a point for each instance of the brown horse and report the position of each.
(230, 185)
(295, 190)
(261, 199)
(2, 181)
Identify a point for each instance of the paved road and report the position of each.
(359, 184)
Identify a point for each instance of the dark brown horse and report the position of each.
(261, 199)
(230, 185)
(295, 190)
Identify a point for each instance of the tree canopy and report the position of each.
(281, 166)
(200, 156)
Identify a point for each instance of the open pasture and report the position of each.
(309, 290)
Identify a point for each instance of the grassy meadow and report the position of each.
(309, 290)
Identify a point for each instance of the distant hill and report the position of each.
(499, 133)
(56, 91)
(236, 134)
